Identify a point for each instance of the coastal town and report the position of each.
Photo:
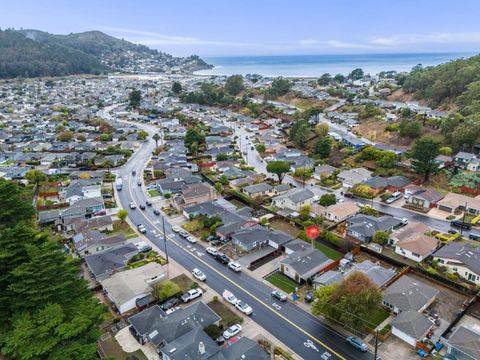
(215, 217)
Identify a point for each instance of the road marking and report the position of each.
(240, 287)
(276, 306)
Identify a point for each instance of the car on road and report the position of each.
(132, 205)
(184, 234)
(142, 246)
(232, 331)
(222, 258)
(198, 274)
(235, 266)
(229, 297)
(461, 224)
(191, 295)
(244, 307)
(279, 295)
(134, 172)
(156, 212)
(142, 207)
(139, 183)
(357, 343)
(191, 239)
(176, 229)
(141, 228)
(148, 202)
(404, 221)
(169, 304)
(212, 251)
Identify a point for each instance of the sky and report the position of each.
(212, 28)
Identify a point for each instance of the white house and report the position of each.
(294, 199)
(417, 248)
(461, 258)
(411, 326)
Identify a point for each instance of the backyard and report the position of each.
(328, 251)
(282, 282)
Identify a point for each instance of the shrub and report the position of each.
(165, 290)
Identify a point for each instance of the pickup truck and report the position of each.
(191, 295)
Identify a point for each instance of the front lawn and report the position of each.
(229, 317)
(154, 193)
(282, 282)
(377, 316)
(184, 282)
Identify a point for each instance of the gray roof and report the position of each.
(208, 208)
(256, 188)
(260, 234)
(297, 195)
(83, 240)
(110, 260)
(244, 348)
(465, 341)
(412, 323)
(187, 345)
(369, 225)
(409, 294)
(469, 255)
(307, 262)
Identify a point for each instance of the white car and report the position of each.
(235, 266)
(176, 229)
(141, 228)
(212, 251)
(132, 205)
(359, 204)
(232, 331)
(229, 297)
(404, 221)
(198, 274)
(192, 239)
(169, 311)
(192, 294)
(244, 307)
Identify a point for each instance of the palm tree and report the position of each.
(156, 137)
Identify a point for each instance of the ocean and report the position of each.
(316, 65)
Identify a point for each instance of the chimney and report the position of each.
(201, 348)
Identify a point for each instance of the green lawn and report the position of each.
(229, 318)
(377, 316)
(154, 192)
(283, 282)
(329, 252)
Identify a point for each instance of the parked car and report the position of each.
(404, 221)
(132, 205)
(184, 234)
(141, 228)
(308, 297)
(176, 229)
(173, 309)
(169, 304)
(232, 331)
(212, 251)
(279, 295)
(222, 258)
(134, 172)
(394, 197)
(452, 231)
(191, 239)
(216, 242)
(473, 236)
(235, 266)
(142, 207)
(191, 295)
(357, 343)
(148, 202)
(156, 212)
(359, 204)
(220, 340)
(198, 274)
(244, 307)
(461, 224)
(229, 297)
(142, 246)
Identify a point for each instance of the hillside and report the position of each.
(454, 83)
(31, 53)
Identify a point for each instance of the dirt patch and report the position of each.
(284, 226)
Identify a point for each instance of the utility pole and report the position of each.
(376, 345)
(463, 219)
(164, 237)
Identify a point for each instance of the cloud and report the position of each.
(414, 39)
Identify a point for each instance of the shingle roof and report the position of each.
(409, 294)
(412, 323)
(110, 260)
(466, 341)
(307, 262)
(469, 255)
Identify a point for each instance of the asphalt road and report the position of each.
(309, 337)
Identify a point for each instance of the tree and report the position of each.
(135, 97)
(381, 237)
(176, 87)
(122, 215)
(261, 148)
(339, 78)
(156, 137)
(81, 137)
(105, 137)
(142, 134)
(14, 203)
(387, 160)
(328, 199)
(321, 305)
(107, 164)
(410, 128)
(423, 155)
(65, 136)
(356, 74)
(192, 136)
(35, 176)
(224, 180)
(221, 157)
(305, 211)
(325, 79)
(445, 150)
(234, 84)
(321, 129)
(278, 167)
(299, 133)
(279, 87)
(323, 146)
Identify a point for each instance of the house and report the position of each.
(461, 258)
(258, 190)
(293, 199)
(303, 264)
(443, 161)
(363, 227)
(107, 262)
(411, 230)
(462, 159)
(353, 176)
(209, 208)
(126, 287)
(99, 223)
(418, 247)
(281, 189)
(392, 183)
(411, 327)
(91, 241)
(409, 294)
(464, 344)
(154, 326)
(453, 202)
(323, 171)
(378, 274)
(193, 194)
(336, 212)
(258, 236)
(425, 198)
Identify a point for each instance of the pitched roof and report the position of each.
(420, 244)
(466, 341)
(409, 294)
(307, 262)
(412, 323)
(467, 254)
(110, 260)
(411, 230)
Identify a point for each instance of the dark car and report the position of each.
(220, 340)
(142, 207)
(211, 238)
(156, 212)
(148, 202)
(461, 224)
(134, 172)
(169, 304)
(473, 236)
(308, 297)
(216, 242)
(222, 258)
(139, 183)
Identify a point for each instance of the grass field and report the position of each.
(330, 253)
(377, 316)
(283, 282)
(154, 192)
(229, 318)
